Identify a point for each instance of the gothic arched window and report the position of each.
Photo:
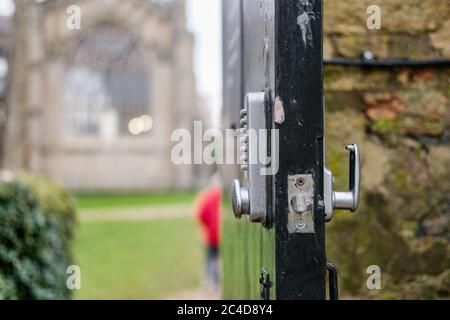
(106, 85)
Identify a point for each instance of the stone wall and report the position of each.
(400, 116)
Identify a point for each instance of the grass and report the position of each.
(138, 260)
(110, 201)
(150, 259)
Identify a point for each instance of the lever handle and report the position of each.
(344, 200)
(350, 200)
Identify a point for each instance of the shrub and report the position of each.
(37, 220)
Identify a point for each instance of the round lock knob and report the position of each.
(240, 200)
(301, 203)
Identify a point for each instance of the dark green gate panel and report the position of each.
(248, 249)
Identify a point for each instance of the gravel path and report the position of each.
(199, 294)
(137, 214)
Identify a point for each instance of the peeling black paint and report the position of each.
(300, 258)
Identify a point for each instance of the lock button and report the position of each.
(240, 200)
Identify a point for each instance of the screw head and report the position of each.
(300, 182)
(368, 55)
(300, 224)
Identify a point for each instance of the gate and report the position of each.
(273, 79)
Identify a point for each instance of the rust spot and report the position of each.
(279, 111)
(423, 75)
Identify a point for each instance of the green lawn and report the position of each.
(151, 259)
(107, 201)
(138, 260)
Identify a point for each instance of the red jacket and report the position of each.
(209, 215)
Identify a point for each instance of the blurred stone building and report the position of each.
(94, 108)
(5, 54)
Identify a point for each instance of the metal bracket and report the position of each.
(301, 204)
(266, 284)
(333, 281)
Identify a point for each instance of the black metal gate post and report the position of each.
(301, 261)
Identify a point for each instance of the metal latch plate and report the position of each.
(301, 204)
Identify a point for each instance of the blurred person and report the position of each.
(208, 215)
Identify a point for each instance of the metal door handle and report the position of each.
(350, 200)
(344, 200)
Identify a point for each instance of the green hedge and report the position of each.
(37, 220)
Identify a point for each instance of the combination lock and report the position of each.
(250, 199)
